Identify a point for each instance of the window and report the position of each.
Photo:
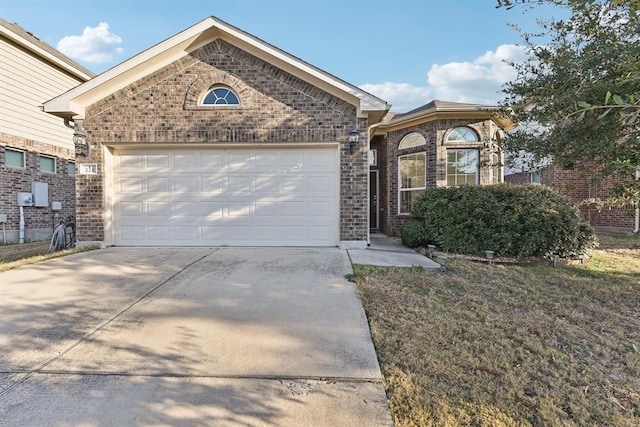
(14, 158)
(496, 170)
(535, 177)
(71, 168)
(221, 95)
(462, 167)
(412, 140)
(462, 134)
(412, 174)
(47, 164)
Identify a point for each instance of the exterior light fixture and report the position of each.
(431, 248)
(80, 142)
(489, 255)
(353, 140)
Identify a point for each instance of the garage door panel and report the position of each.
(237, 197)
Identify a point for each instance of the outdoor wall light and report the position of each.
(353, 140)
(81, 144)
(489, 256)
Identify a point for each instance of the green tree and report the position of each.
(577, 95)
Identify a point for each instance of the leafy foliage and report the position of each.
(414, 234)
(511, 220)
(577, 95)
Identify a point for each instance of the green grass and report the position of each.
(508, 345)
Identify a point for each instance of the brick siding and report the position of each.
(575, 186)
(39, 221)
(276, 107)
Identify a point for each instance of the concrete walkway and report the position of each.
(387, 252)
(187, 336)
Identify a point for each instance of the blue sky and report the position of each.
(407, 52)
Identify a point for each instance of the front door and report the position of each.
(373, 200)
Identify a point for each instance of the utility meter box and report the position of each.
(25, 199)
(56, 206)
(40, 191)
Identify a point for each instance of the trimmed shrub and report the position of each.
(413, 234)
(512, 220)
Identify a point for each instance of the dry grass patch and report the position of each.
(41, 255)
(509, 345)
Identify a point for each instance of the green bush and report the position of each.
(413, 234)
(512, 220)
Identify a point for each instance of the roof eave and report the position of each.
(191, 39)
(11, 35)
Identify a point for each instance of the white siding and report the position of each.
(26, 82)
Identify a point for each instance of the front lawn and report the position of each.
(510, 345)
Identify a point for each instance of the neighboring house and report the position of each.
(34, 146)
(574, 185)
(214, 137)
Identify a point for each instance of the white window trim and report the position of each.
(411, 135)
(477, 166)
(24, 158)
(402, 190)
(55, 165)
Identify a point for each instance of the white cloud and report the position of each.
(96, 45)
(402, 96)
(477, 82)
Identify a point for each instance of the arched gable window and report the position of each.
(221, 95)
(413, 139)
(462, 134)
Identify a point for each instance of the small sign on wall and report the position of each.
(88, 169)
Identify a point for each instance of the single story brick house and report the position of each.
(214, 137)
(35, 147)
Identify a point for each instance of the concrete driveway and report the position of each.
(187, 336)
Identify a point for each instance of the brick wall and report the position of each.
(275, 107)
(575, 185)
(39, 221)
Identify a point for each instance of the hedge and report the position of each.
(511, 220)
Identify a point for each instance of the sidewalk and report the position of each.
(387, 252)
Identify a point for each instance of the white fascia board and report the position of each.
(43, 53)
(65, 102)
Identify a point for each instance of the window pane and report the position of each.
(221, 96)
(412, 170)
(412, 140)
(14, 158)
(71, 168)
(407, 198)
(462, 135)
(47, 164)
(462, 167)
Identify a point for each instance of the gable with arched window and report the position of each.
(411, 171)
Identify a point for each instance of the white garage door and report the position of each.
(236, 197)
